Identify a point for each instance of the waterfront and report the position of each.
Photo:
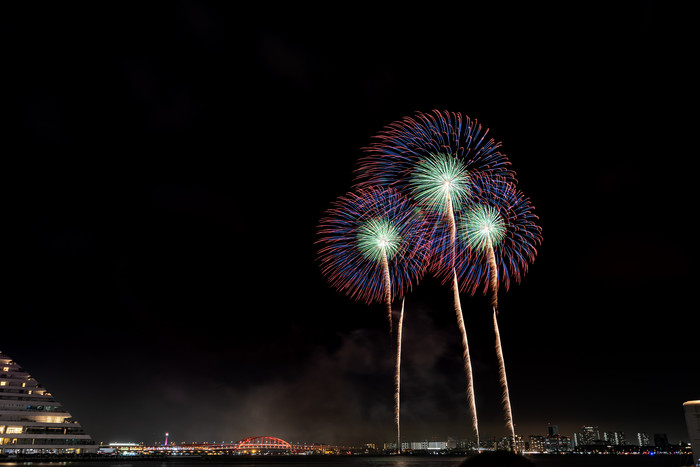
(542, 460)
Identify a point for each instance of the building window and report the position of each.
(6, 368)
(13, 429)
(3, 383)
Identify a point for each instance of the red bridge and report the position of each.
(247, 445)
(264, 443)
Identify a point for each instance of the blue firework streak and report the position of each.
(403, 147)
(359, 230)
(499, 215)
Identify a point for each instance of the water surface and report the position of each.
(541, 460)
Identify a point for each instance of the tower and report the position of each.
(692, 421)
(31, 420)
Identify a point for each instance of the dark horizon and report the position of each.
(166, 167)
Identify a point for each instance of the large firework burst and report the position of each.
(374, 245)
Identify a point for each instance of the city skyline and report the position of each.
(168, 166)
(620, 438)
(607, 438)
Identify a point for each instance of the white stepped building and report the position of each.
(31, 421)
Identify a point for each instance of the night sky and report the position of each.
(165, 166)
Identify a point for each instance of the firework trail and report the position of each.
(387, 286)
(375, 246)
(499, 235)
(471, 399)
(431, 157)
(397, 379)
(493, 283)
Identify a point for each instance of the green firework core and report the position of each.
(438, 180)
(377, 235)
(483, 224)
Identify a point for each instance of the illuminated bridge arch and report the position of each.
(263, 443)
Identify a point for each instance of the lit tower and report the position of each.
(166, 439)
(692, 420)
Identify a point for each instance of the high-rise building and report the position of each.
(519, 443)
(537, 443)
(590, 434)
(643, 439)
(692, 421)
(557, 443)
(578, 439)
(615, 438)
(554, 442)
(31, 420)
(620, 438)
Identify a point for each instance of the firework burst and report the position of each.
(499, 221)
(374, 245)
(431, 157)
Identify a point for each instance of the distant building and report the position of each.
(643, 439)
(465, 444)
(424, 445)
(661, 442)
(507, 443)
(590, 434)
(537, 443)
(557, 444)
(552, 430)
(437, 445)
(614, 438)
(620, 438)
(520, 443)
(31, 420)
(692, 421)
